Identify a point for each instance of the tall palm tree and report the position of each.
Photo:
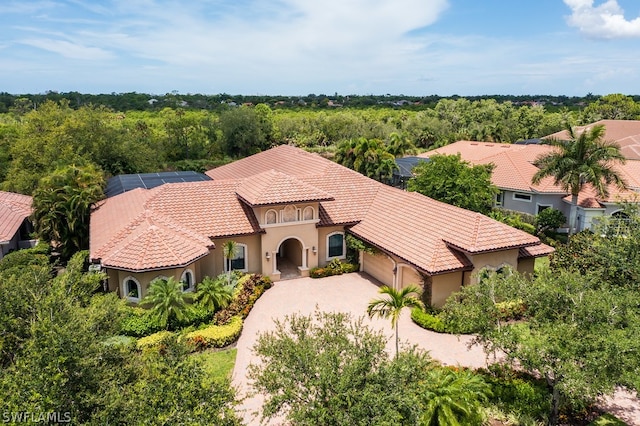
(229, 251)
(214, 294)
(453, 398)
(391, 306)
(167, 301)
(584, 158)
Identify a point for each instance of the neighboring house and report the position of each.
(15, 226)
(288, 211)
(514, 171)
(404, 171)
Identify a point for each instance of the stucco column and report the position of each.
(275, 263)
(305, 252)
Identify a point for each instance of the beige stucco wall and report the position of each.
(526, 266)
(213, 264)
(323, 247)
(494, 260)
(407, 275)
(443, 285)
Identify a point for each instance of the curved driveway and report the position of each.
(351, 293)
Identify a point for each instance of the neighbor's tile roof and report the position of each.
(14, 209)
(177, 220)
(271, 187)
(625, 132)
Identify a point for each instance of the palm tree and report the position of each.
(585, 158)
(229, 251)
(167, 301)
(214, 294)
(453, 397)
(391, 306)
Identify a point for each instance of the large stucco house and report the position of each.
(288, 209)
(15, 226)
(514, 170)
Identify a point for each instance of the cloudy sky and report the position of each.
(297, 47)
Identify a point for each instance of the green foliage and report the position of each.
(607, 420)
(215, 294)
(335, 267)
(427, 320)
(549, 219)
(248, 291)
(20, 259)
(451, 180)
(518, 220)
(62, 205)
(216, 336)
(371, 157)
(154, 340)
(218, 365)
(243, 133)
(327, 369)
(169, 303)
(139, 322)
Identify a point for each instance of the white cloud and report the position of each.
(604, 21)
(68, 49)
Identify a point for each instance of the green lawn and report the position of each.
(607, 420)
(217, 364)
(541, 263)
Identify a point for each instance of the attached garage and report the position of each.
(379, 266)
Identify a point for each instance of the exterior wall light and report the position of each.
(313, 249)
(268, 255)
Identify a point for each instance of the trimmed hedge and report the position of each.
(153, 340)
(139, 323)
(428, 321)
(335, 267)
(216, 336)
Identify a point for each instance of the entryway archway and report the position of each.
(290, 257)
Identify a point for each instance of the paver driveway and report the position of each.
(350, 293)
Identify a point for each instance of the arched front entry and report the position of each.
(290, 258)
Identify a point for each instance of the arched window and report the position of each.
(271, 217)
(336, 246)
(308, 213)
(239, 262)
(289, 214)
(187, 280)
(131, 289)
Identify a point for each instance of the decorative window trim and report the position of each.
(304, 212)
(290, 208)
(266, 215)
(499, 199)
(246, 259)
(186, 272)
(344, 246)
(124, 289)
(519, 196)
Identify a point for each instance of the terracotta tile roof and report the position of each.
(625, 132)
(433, 235)
(535, 251)
(271, 187)
(14, 209)
(170, 225)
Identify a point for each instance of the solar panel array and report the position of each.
(123, 183)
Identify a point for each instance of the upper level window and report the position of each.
(336, 245)
(307, 213)
(187, 280)
(131, 289)
(289, 214)
(271, 217)
(521, 197)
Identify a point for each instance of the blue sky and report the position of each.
(297, 47)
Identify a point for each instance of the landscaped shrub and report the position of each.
(335, 267)
(153, 340)
(249, 291)
(35, 256)
(139, 322)
(216, 336)
(511, 310)
(427, 320)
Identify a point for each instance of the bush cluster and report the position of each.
(216, 336)
(139, 322)
(247, 293)
(428, 321)
(153, 340)
(335, 267)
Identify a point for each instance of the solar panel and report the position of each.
(123, 183)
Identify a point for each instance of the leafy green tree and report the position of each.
(453, 398)
(229, 252)
(392, 305)
(615, 106)
(216, 293)
(327, 369)
(549, 219)
(367, 156)
(578, 332)
(584, 159)
(242, 132)
(451, 180)
(168, 301)
(62, 205)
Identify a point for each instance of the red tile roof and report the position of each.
(14, 209)
(170, 225)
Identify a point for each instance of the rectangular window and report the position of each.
(521, 197)
(336, 245)
(542, 207)
(499, 198)
(238, 263)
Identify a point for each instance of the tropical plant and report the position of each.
(229, 251)
(168, 301)
(453, 398)
(215, 294)
(583, 159)
(391, 306)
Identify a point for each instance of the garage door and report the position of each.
(379, 267)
